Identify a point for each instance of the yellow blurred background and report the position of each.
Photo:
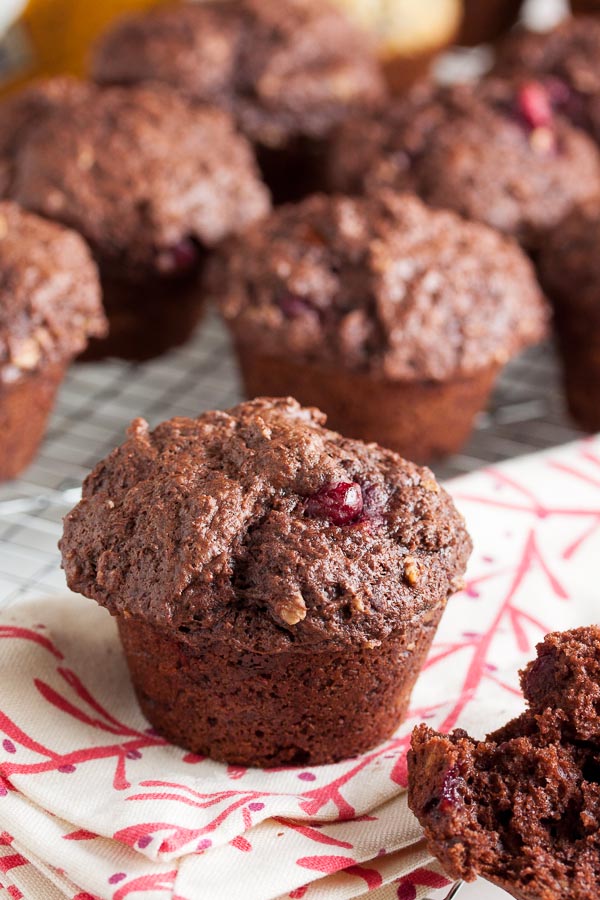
(51, 36)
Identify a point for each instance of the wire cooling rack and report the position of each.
(97, 402)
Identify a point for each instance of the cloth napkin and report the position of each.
(94, 804)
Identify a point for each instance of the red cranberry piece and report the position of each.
(539, 679)
(294, 306)
(340, 502)
(534, 105)
(179, 259)
(450, 794)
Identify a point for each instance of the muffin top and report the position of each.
(281, 67)
(569, 262)
(497, 153)
(49, 294)
(261, 527)
(137, 172)
(381, 284)
(567, 60)
(522, 807)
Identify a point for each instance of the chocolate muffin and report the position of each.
(392, 317)
(485, 22)
(49, 307)
(522, 807)
(408, 34)
(567, 61)
(276, 585)
(149, 181)
(569, 268)
(497, 153)
(287, 70)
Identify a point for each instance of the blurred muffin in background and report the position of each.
(496, 152)
(49, 308)
(566, 60)
(485, 21)
(569, 268)
(288, 71)
(148, 180)
(392, 317)
(408, 33)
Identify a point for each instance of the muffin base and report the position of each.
(420, 420)
(24, 409)
(484, 22)
(277, 709)
(295, 170)
(147, 318)
(580, 353)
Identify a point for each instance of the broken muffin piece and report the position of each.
(522, 807)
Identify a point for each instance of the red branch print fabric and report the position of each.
(94, 804)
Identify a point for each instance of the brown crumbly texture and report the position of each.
(380, 285)
(569, 268)
(469, 149)
(522, 808)
(568, 59)
(282, 69)
(49, 294)
(134, 171)
(373, 151)
(566, 677)
(202, 525)
(265, 622)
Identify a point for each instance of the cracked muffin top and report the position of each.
(281, 67)
(498, 153)
(49, 293)
(266, 529)
(382, 284)
(139, 173)
(566, 60)
(522, 807)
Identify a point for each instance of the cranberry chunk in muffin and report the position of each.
(522, 807)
